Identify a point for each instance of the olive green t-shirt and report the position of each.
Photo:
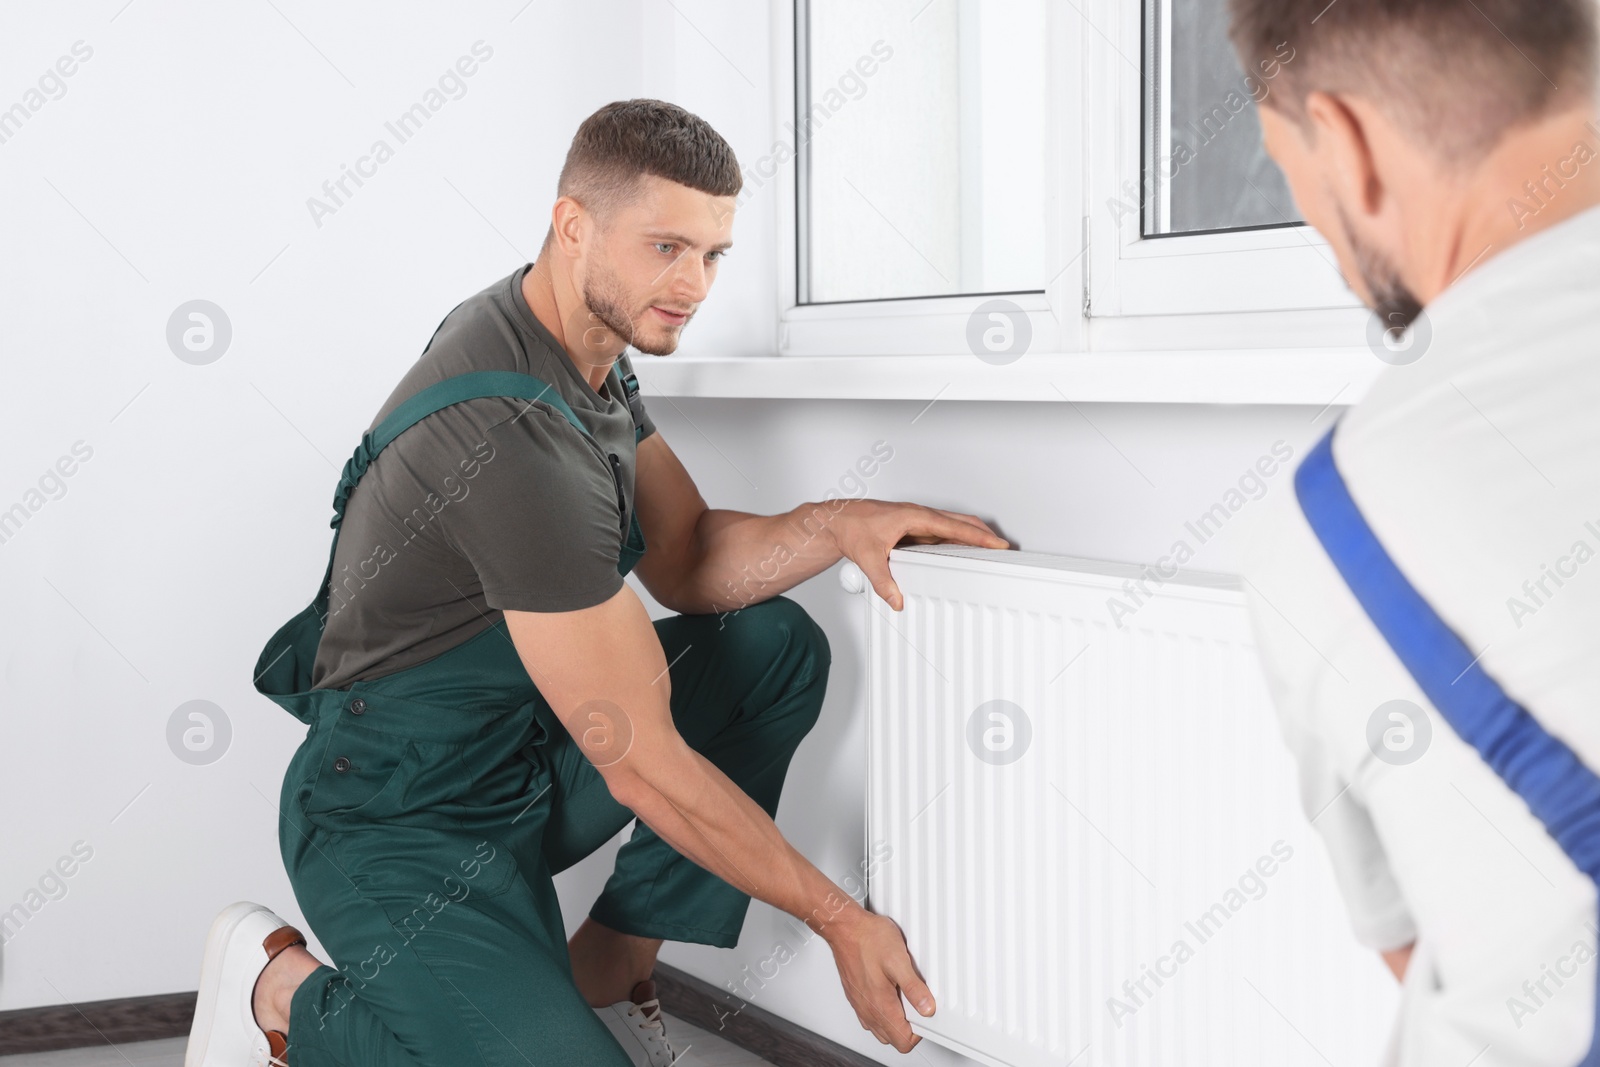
(490, 504)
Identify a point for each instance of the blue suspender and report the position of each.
(1558, 788)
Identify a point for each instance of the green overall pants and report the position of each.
(424, 816)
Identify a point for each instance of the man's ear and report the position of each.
(1340, 143)
(566, 223)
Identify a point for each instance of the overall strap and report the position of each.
(284, 669)
(1560, 790)
(630, 390)
(437, 397)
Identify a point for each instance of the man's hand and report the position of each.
(1398, 960)
(865, 531)
(876, 968)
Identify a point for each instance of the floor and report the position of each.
(696, 1047)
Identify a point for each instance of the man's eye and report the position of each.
(664, 247)
(715, 254)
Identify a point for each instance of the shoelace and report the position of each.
(650, 1012)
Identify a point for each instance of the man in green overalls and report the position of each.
(489, 701)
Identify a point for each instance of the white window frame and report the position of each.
(934, 325)
(1281, 269)
(1112, 289)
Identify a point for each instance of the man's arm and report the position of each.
(701, 560)
(603, 672)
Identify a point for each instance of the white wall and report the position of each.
(177, 166)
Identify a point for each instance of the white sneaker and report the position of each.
(244, 938)
(639, 1028)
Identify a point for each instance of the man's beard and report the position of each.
(604, 294)
(1393, 303)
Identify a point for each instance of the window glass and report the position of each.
(920, 134)
(1204, 167)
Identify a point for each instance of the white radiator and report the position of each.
(1059, 806)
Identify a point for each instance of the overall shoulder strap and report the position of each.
(436, 397)
(284, 668)
(630, 390)
(1558, 788)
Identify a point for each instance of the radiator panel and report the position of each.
(1035, 872)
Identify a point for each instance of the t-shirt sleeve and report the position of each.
(539, 523)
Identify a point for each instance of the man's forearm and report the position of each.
(700, 812)
(742, 559)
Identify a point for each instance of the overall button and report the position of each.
(358, 706)
(341, 765)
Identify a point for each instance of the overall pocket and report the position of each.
(395, 806)
(361, 773)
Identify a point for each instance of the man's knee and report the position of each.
(782, 645)
(801, 641)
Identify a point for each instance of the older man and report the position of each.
(1428, 600)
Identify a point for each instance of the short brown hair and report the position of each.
(630, 138)
(1459, 74)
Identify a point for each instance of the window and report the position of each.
(921, 130)
(1187, 217)
(1087, 174)
(1205, 169)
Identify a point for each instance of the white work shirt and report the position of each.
(1478, 468)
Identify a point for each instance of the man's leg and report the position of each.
(746, 688)
(607, 964)
(448, 953)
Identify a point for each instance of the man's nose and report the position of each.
(689, 279)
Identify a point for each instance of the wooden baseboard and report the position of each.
(774, 1039)
(100, 1022)
(166, 1015)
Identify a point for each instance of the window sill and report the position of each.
(1316, 377)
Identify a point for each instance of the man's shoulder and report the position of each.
(481, 333)
(476, 335)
